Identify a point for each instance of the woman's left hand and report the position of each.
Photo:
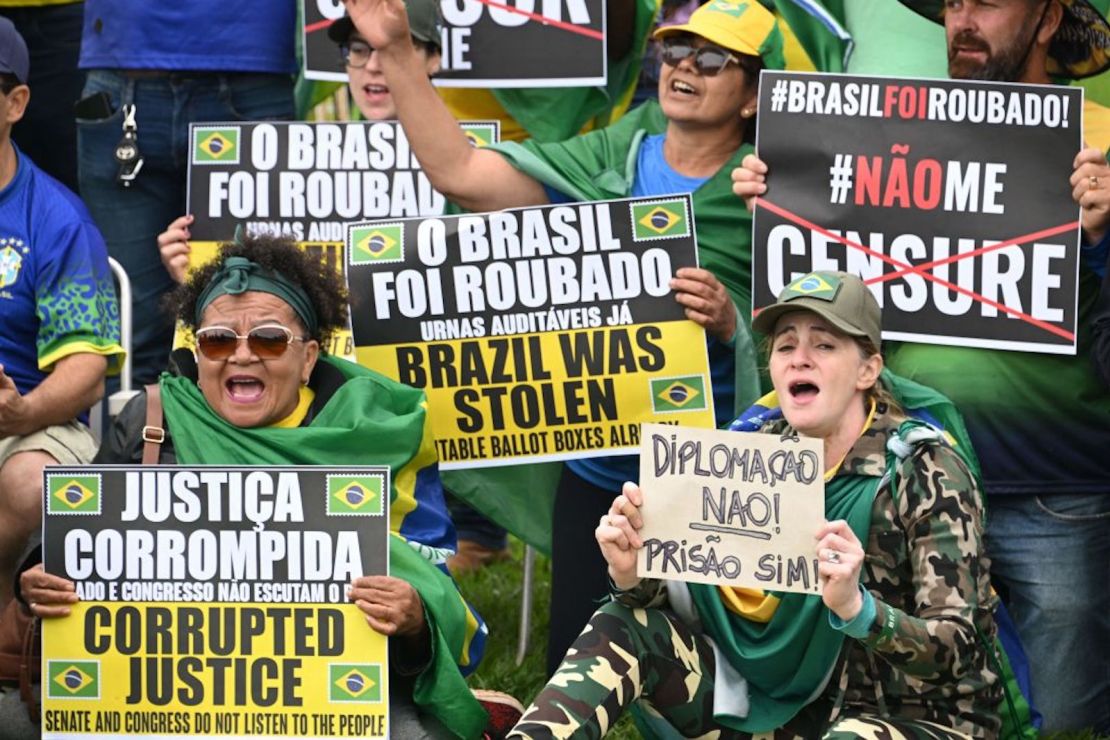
(392, 606)
(839, 559)
(47, 595)
(706, 301)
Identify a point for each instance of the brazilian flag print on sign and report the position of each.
(678, 394)
(356, 495)
(73, 679)
(355, 683)
(216, 145)
(73, 494)
(480, 134)
(659, 220)
(377, 243)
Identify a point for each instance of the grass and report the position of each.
(495, 592)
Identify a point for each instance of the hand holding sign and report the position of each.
(706, 301)
(391, 606)
(1090, 184)
(839, 559)
(173, 246)
(618, 534)
(47, 594)
(749, 180)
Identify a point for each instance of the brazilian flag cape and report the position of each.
(369, 416)
(788, 659)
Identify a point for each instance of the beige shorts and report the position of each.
(68, 444)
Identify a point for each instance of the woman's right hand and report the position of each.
(749, 180)
(47, 595)
(173, 246)
(618, 534)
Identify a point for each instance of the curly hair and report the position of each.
(321, 282)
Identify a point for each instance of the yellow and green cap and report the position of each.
(1080, 47)
(838, 297)
(743, 26)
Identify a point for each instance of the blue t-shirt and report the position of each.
(57, 296)
(202, 35)
(655, 177)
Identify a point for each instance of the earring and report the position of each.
(747, 112)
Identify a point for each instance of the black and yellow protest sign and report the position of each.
(213, 602)
(731, 508)
(949, 198)
(305, 181)
(485, 43)
(538, 333)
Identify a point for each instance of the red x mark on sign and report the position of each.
(572, 28)
(924, 270)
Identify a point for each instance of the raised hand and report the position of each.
(618, 534)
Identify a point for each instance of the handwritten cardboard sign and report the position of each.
(730, 508)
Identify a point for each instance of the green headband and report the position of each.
(239, 275)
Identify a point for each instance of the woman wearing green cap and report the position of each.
(896, 644)
(688, 141)
(263, 393)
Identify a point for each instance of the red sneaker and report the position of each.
(503, 709)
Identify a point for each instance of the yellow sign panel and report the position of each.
(213, 670)
(553, 395)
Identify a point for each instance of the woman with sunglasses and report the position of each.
(263, 393)
(688, 141)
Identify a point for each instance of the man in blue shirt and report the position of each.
(169, 64)
(59, 321)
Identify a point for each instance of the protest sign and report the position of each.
(213, 602)
(525, 43)
(304, 181)
(731, 508)
(541, 333)
(950, 199)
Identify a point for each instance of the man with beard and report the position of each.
(1039, 422)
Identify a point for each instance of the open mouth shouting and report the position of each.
(244, 388)
(803, 391)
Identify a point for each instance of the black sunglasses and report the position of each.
(356, 53)
(708, 60)
(268, 342)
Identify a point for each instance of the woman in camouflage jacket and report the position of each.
(898, 643)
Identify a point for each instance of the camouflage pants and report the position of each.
(648, 656)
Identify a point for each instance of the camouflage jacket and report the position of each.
(925, 656)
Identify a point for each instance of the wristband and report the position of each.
(859, 625)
